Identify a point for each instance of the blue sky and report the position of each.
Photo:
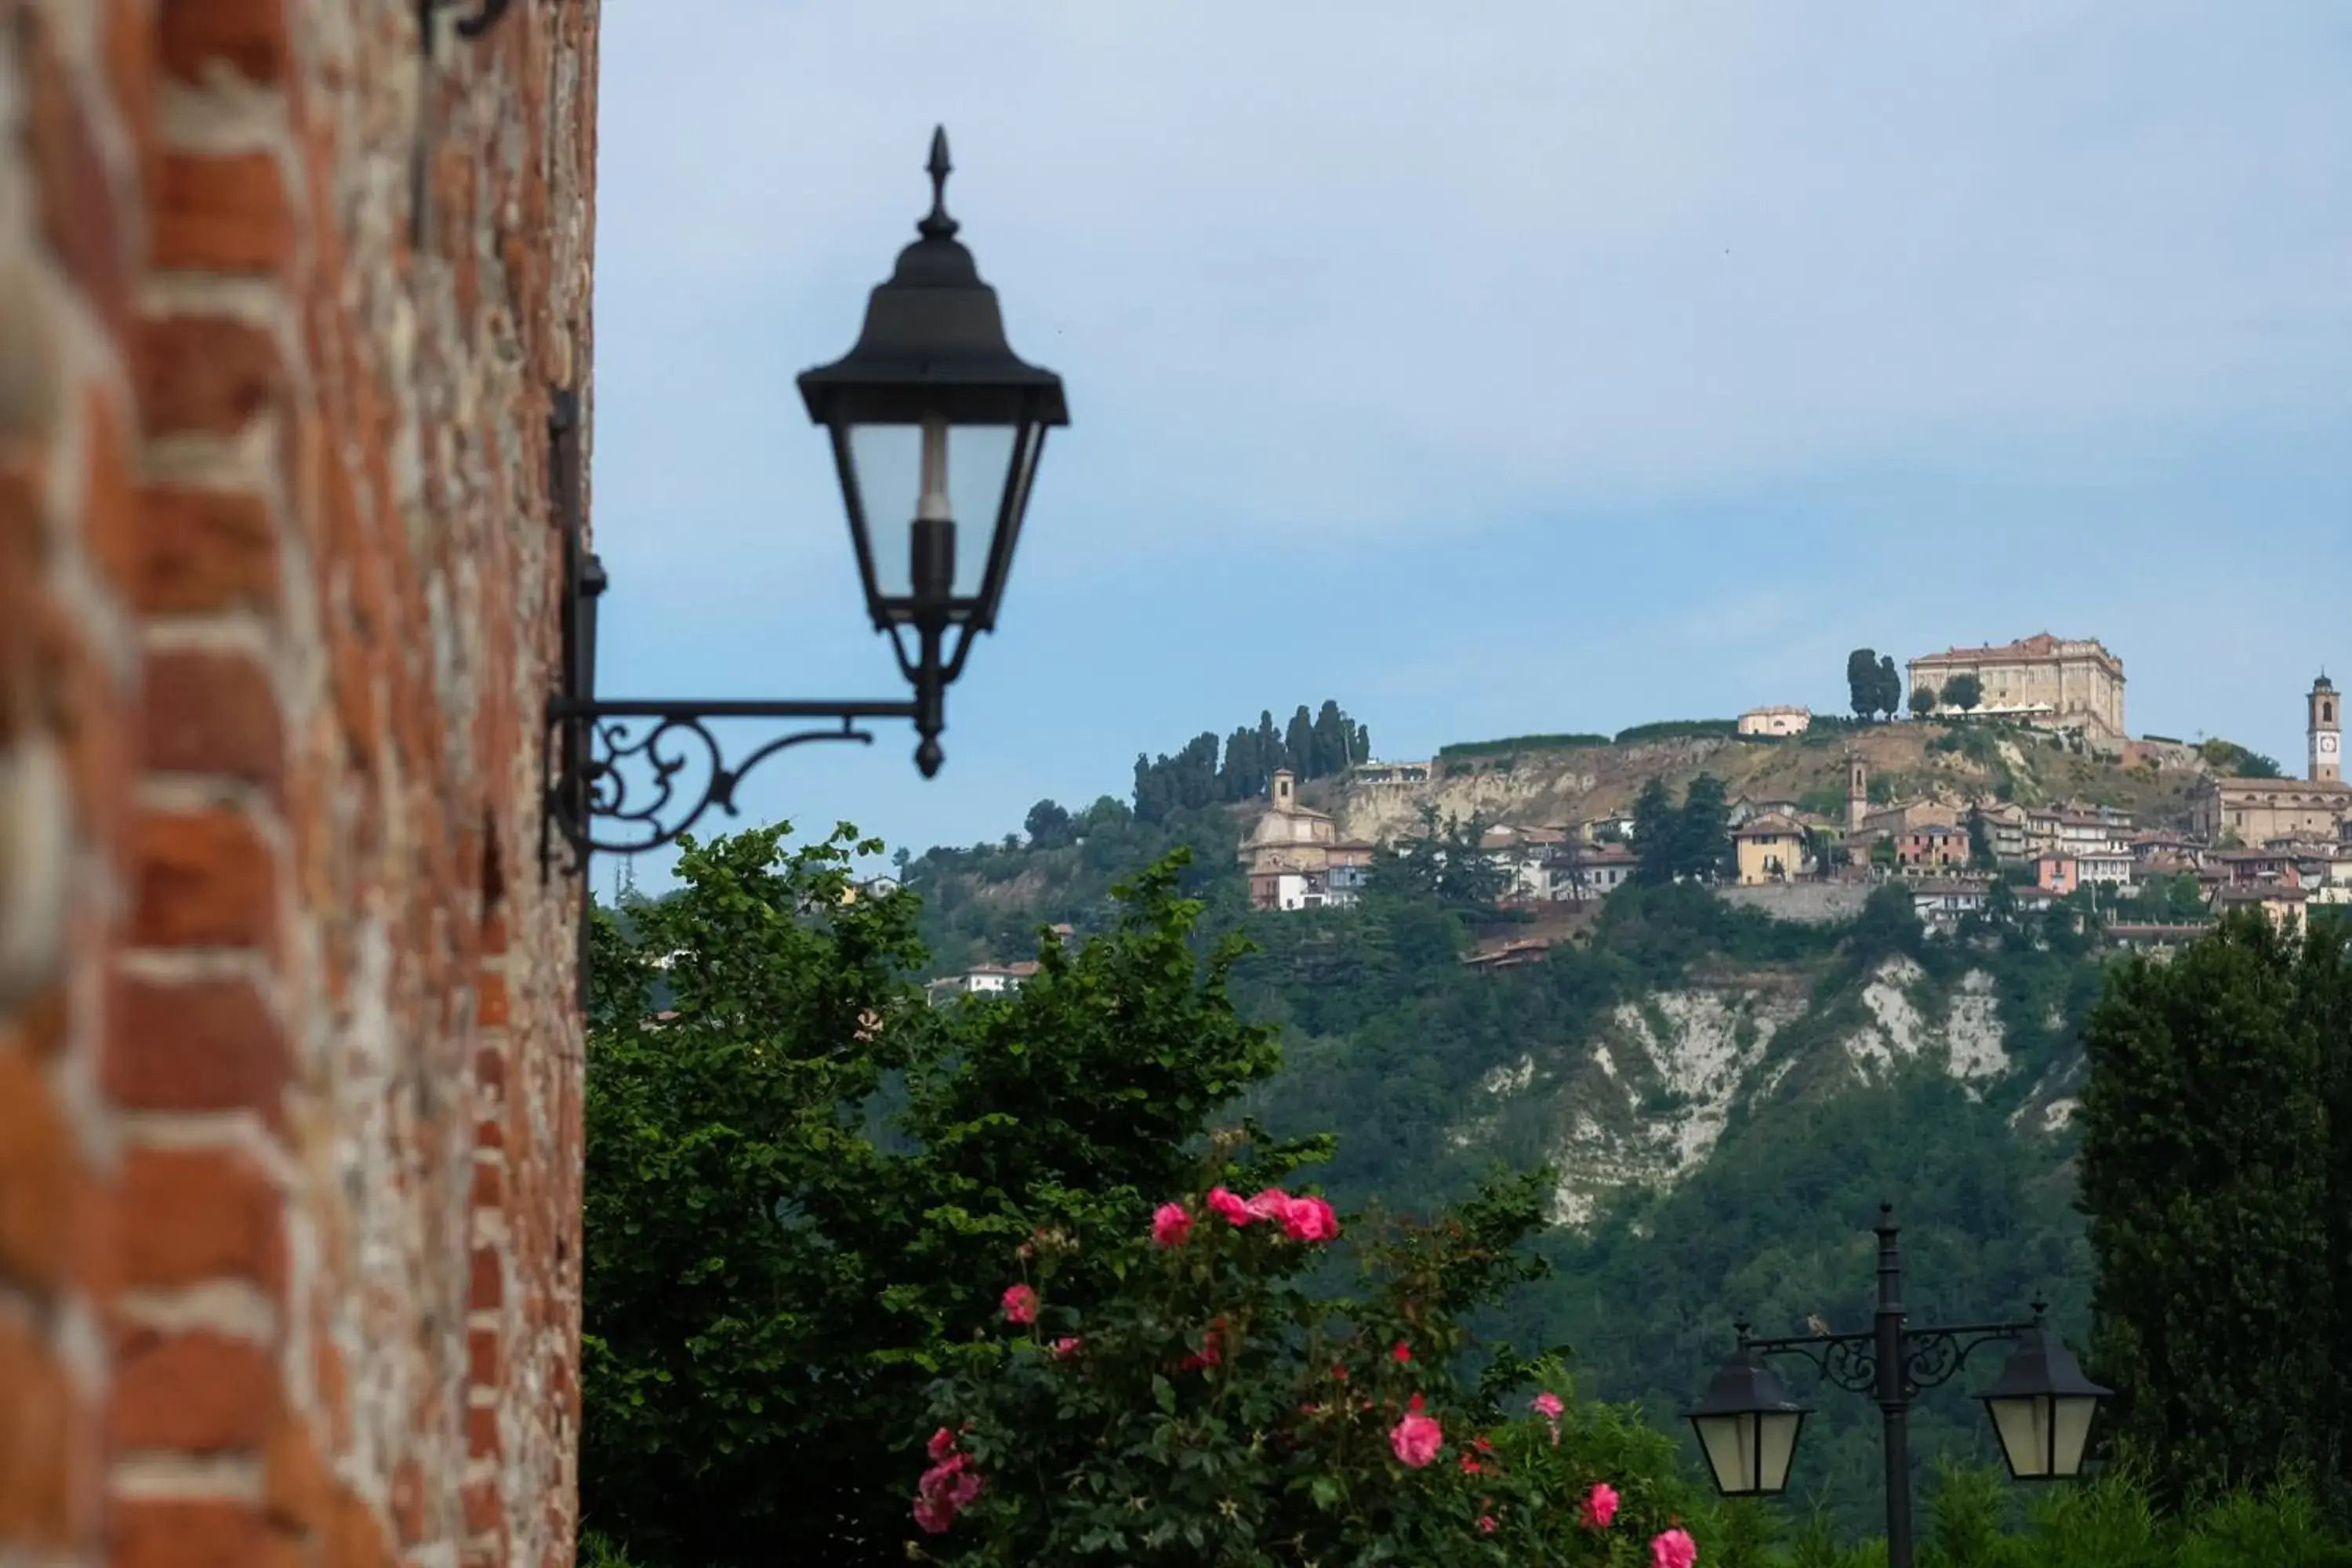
(1523, 366)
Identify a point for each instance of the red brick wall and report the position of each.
(289, 1049)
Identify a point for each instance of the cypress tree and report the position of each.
(1298, 742)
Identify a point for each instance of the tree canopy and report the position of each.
(2216, 1173)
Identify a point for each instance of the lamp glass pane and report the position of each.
(1731, 1445)
(1776, 1448)
(2024, 1427)
(2072, 1425)
(890, 463)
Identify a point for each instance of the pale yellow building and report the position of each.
(1770, 848)
(2069, 683)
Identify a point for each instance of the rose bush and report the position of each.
(1215, 1410)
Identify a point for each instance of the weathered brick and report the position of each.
(212, 713)
(209, 375)
(490, 1001)
(482, 1358)
(206, 880)
(42, 1183)
(207, 550)
(189, 1215)
(36, 1443)
(486, 1510)
(196, 1046)
(82, 709)
(355, 1537)
(78, 216)
(197, 1392)
(408, 1503)
(223, 213)
(398, 404)
(111, 497)
(482, 1438)
(192, 1533)
(251, 39)
(488, 1290)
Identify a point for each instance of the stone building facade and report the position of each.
(2069, 683)
(2315, 809)
(290, 1050)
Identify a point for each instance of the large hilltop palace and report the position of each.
(2054, 682)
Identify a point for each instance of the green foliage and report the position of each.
(800, 1189)
(1215, 1410)
(1689, 840)
(2217, 1174)
(2234, 761)
(1441, 865)
(987, 902)
(1313, 746)
(1872, 684)
(2109, 1522)
(1516, 743)
(1964, 691)
(1923, 701)
(1677, 730)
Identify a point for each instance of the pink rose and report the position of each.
(1310, 1219)
(1273, 1203)
(1225, 1203)
(1020, 1305)
(1600, 1506)
(1402, 1353)
(946, 1490)
(1416, 1440)
(941, 1441)
(1674, 1549)
(1171, 1224)
(1065, 1347)
(1485, 1524)
(1547, 1405)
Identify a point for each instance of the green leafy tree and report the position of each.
(1692, 840)
(1703, 831)
(1047, 824)
(1923, 701)
(1861, 681)
(1442, 862)
(2213, 1171)
(800, 1187)
(1887, 694)
(1965, 692)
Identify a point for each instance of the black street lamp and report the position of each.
(2040, 1404)
(933, 420)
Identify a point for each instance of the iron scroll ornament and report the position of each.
(1931, 1357)
(595, 752)
(655, 768)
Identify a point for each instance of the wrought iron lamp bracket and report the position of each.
(592, 747)
(1931, 1356)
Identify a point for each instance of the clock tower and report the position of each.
(2326, 733)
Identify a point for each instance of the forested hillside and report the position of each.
(1724, 1097)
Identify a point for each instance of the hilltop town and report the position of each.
(1823, 810)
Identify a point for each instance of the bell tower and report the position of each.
(1858, 791)
(2325, 729)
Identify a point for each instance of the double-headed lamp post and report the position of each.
(2040, 1404)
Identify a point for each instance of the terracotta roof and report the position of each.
(2041, 645)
